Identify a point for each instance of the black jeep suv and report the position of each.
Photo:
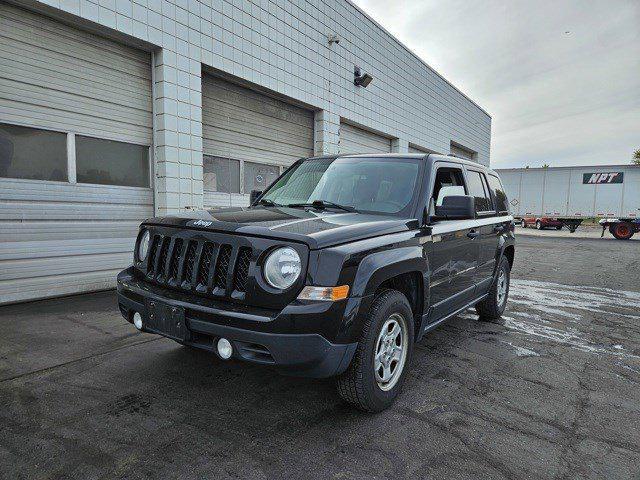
(335, 270)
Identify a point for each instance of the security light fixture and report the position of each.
(361, 79)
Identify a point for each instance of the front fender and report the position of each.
(377, 267)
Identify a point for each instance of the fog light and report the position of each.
(225, 350)
(137, 320)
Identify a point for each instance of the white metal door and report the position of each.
(252, 132)
(631, 195)
(531, 192)
(555, 192)
(357, 140)
(59, 237)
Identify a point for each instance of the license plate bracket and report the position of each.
(167, 320)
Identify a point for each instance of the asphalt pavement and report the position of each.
(550, 391)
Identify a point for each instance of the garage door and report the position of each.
(462, 152)
(247, 138)
(413, 149)
(75, 130)
(357, 140)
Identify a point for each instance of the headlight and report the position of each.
(282, 268)
(143, 246)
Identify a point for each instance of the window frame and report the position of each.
(485, 186)
(437, 165)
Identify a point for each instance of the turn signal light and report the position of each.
(329, 294)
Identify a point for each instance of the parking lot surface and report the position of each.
(550, 391)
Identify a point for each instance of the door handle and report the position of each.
(473, 234)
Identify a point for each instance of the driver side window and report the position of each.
(449, 181)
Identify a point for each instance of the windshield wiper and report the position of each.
(321, 205)
(267, 203)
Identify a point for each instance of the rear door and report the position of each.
(488, 228)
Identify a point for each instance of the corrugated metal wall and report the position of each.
(357, 140)
(57, 237)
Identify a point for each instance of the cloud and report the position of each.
(561, 79)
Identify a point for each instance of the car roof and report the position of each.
(433, 157)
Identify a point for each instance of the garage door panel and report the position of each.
(27, 250)
(117, 89)
(55, 285)
(33, 29)
(59, 238)
(242, 122)
(357, 140)
(35, 230)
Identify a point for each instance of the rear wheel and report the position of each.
(559, 227)
(494, 304)
(378, 369)
(622, 231)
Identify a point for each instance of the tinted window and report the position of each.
(221, 174)
(479, 190)
(502, 203)
(108, 162)
(32, 153)
(258, 176)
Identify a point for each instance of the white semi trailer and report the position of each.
(571, 194)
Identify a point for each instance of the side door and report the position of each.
(487, 227)
(454, 252)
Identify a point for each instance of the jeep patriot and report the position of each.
(335, 270)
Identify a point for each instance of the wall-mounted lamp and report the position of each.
(361, 79)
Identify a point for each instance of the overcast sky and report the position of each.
(560, 78)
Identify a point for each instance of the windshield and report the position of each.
(371, 185)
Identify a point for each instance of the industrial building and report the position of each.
(113, 110)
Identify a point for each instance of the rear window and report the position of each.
(479, 190)
(502, 202)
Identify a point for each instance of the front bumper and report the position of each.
(257, 335)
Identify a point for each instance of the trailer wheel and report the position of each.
(622, 231)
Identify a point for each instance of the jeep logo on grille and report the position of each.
(200, 223)
(597, 178)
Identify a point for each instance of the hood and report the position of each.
(318, 229)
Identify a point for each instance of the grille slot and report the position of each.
(190, 261)
(162, 262)
(222, 267)
(175, 259)
(151, 256)
(205, 263)
(242, 269)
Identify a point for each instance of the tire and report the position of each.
(622, 231)
(493, 306)
(359, 384)
(538, 225)
(559, 227)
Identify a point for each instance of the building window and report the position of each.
(32, 153)
(258, 176)
(221, 174)
(107, 162)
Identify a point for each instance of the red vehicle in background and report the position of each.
(541, 222)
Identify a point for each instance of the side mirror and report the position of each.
(456, 207)
(253, 196)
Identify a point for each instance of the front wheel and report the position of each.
(376, 374)
(494, 304)
(538, 225)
